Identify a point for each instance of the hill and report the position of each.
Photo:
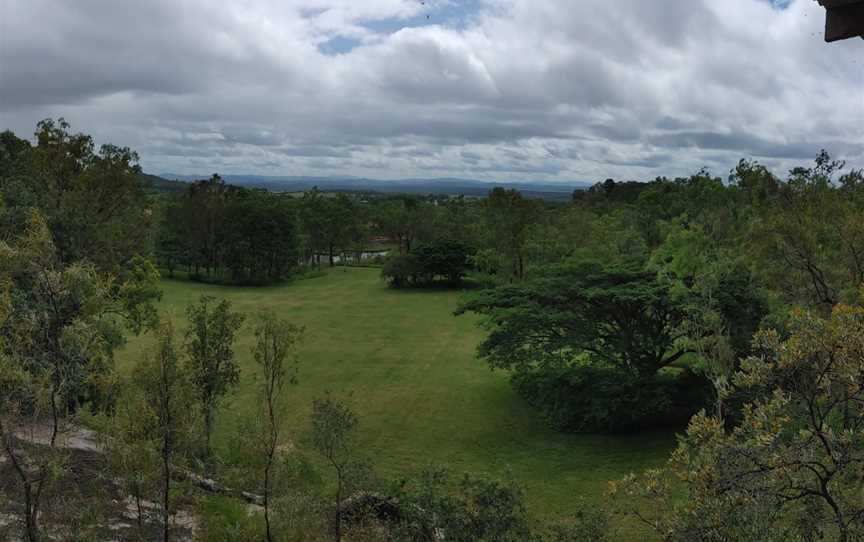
(444, 186)
(154, 184)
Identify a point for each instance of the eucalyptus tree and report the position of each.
(210, 356)
(275, 352)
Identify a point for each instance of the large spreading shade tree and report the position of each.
(586, 342)
(618, 315)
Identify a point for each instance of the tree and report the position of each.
(472, 508)
(172, 243)
(166, 397)
(340, 223)
(617, 314)
(333, 425)
(810, 243)
(249, 235)
(92, 200)
(585, 343)
(92, 206)
(258, 237)
(23, 400)
(61, 324)
(790, 469)
(275, 352)
(448, 260)
(132, 449)
(402, 219)
(723, 301)
(313, 220)
(210, 349)
(508, 216)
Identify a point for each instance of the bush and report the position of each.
(401, 270)
(585, 398)
(477, 508)
(438, 261)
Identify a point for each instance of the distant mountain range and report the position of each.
(451, 186)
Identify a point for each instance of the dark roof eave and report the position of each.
(844, 19)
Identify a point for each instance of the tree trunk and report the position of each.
(166, 490)
(267, 498)
(339, 509)
(140, 510)
(31, 514)
(208, 426)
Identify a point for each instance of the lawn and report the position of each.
(407, 367)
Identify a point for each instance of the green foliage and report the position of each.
(258, 238)
(618, 315)
(441, 259)
(401, 270)
(227, 520)
(508, 216)
(588, 524)
(585, 342)
(810, 240)
(64, 322)
(587, 398)
(132, 448)
(210, 349)
(330, 224)
(275, 354)
(403, 220)
(333, 426)
(91, 201)
(480, 509)
(788, 470)
(163, 395)
(225, 233)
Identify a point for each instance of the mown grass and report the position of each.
(407, 367)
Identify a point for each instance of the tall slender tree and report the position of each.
(333, 425)
(210, 348)
(167, 410)
(275, 352)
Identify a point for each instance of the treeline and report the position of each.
(221, 232)
(633, 305)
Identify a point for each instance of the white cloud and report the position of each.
(545, 89)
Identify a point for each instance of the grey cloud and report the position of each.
(753, 145)
(553, 88)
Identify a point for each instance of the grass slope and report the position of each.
(407, 366)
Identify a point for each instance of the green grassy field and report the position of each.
(407, 366)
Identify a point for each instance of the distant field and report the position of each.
(407, 367)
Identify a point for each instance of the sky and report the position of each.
(505, 90)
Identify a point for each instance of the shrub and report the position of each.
(585, 398)
(401, 270)
(439, 261)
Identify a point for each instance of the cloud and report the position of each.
(496, 89)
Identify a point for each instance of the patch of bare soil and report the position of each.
(83, 503)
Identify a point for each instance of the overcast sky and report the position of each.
(488, 89)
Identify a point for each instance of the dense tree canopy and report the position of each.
(617, 315)
(92, 200)
(221, 232)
